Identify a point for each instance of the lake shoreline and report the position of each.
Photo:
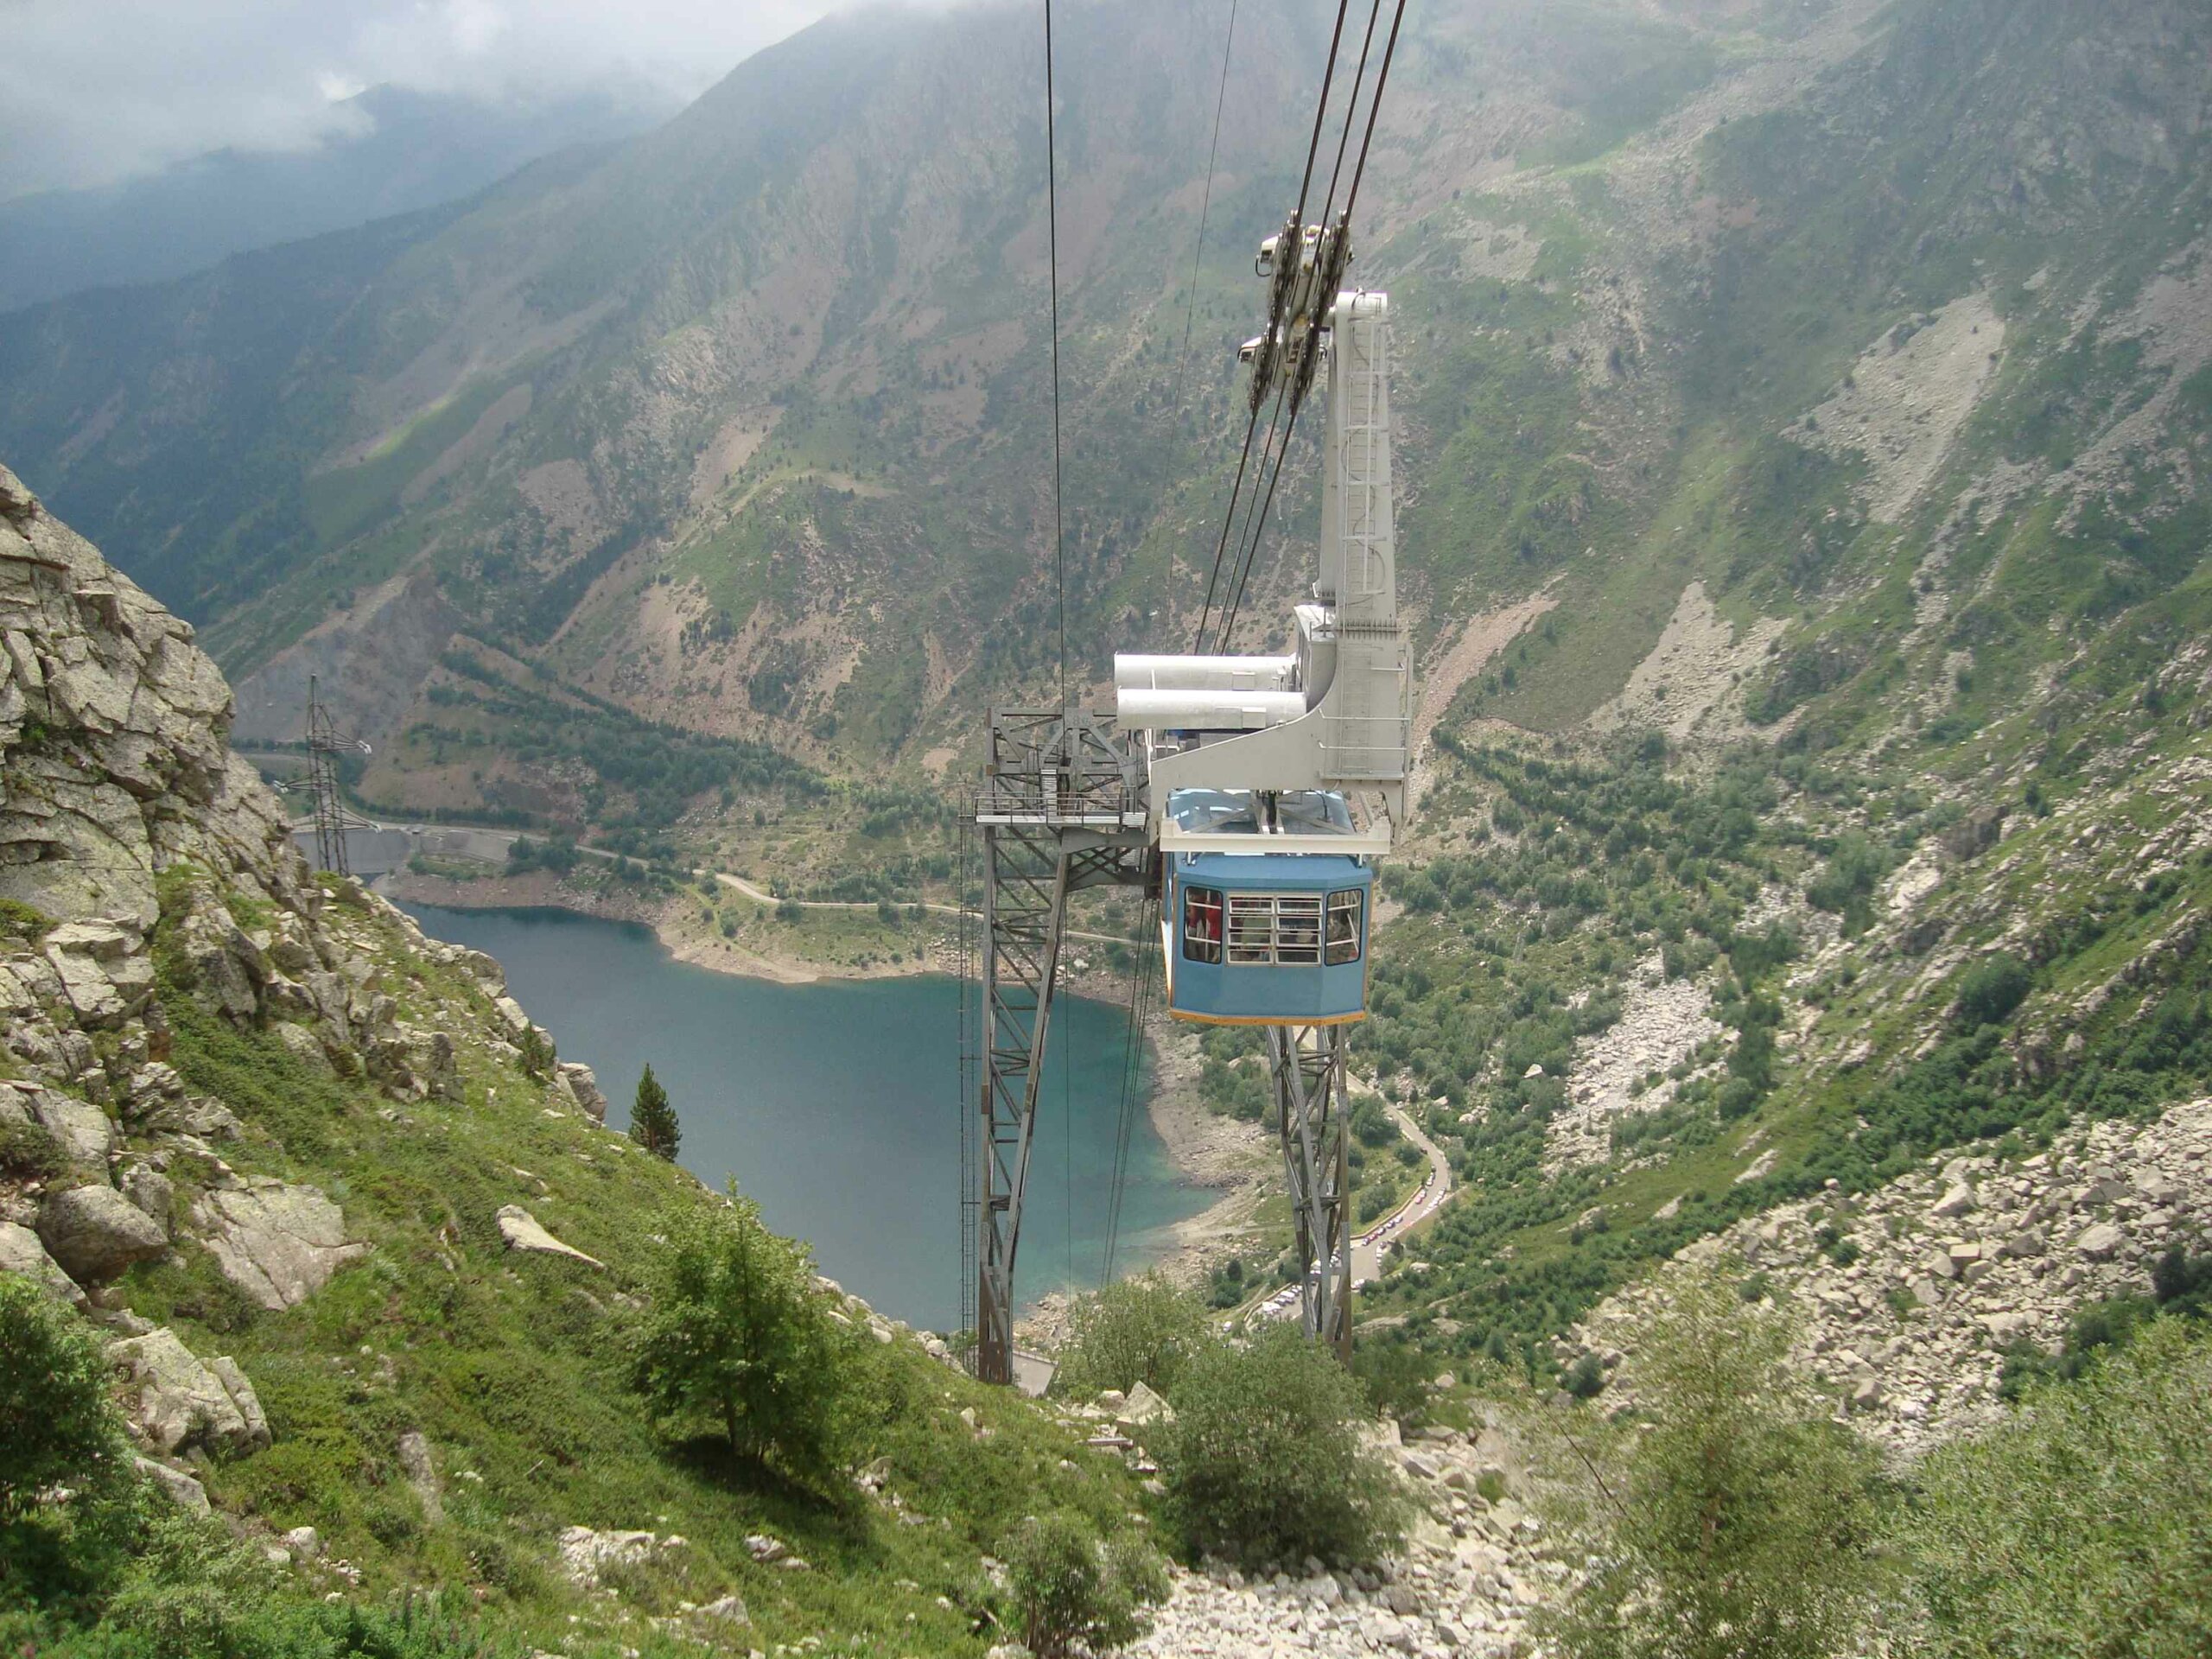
(1209, 1153)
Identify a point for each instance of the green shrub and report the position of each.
(2082, 1525)
(1585, 1378)
(739, 1335)
(1734, 1521)
(28, 1152)
(1069, 1591)
(1136, 1329)
(1992, 989)
(1393, 1376)
(59, 1433)
(24, 922)
(1264, 1465)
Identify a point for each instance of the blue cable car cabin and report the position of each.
(1264, 938)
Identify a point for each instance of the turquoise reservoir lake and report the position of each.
(837, 1105)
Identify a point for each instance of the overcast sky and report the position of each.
(100, 90)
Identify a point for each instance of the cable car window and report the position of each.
(1297, 927)
(1274, 929)
(1251, 927)
(1345, 907)
(1202, 924)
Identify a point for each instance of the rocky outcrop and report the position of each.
(277, 1243)
(582, 1084)
(21, 1251)
(95, 1232)
(116, 731)
(1911, 1296)
(178, 1402)
(586, 1554)
(174, 1484)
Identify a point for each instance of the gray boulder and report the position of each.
(21, 1252)
(177, 1401)
(82, 1128)
(278, 1243)
(2101, 1242)
(174, 1484)
(95, 1232)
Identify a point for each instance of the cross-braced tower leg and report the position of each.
(1061, 810)
(1025, 905)
(1308, 1063)
(323, 744)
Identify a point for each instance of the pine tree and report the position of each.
(653, 1120)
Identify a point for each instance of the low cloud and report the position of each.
(106, 90)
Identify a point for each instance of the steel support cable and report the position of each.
(1239, 559)
(1320, 110)
(1351, 108)
(1205, 207)
(1313, 149)
(1240, 569)
(1147, 975)
(1352, 195)
(1256, 521)
(1122, 1122)
(1140, 986)
(1374, 107)
(1235, 489)
(1052, 244)
(1237, 604)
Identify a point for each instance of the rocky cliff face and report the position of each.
(140, 859)
(115, 729)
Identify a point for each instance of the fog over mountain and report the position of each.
(103, 94)
(396, 151)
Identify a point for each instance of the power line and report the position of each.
(1052, 244)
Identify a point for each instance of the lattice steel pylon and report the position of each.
(323, 745)
(1062, 809)
(1308, 1063)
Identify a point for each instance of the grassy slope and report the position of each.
(513, 1368)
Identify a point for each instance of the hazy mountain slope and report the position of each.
(873, 185)
(407, 150)
(1930, 544)
(744, 426)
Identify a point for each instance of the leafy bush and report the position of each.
(1136, 1330)
(2081, 1526)
(1393, 1375)
(58, 1432)
(1992, 989)
(523, 856)
(738, 1334)
(1264, 1464)
(1071, 1591)
(1585, 1378)
(1846, 886)
(28, 1152)
(1734, 1522)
